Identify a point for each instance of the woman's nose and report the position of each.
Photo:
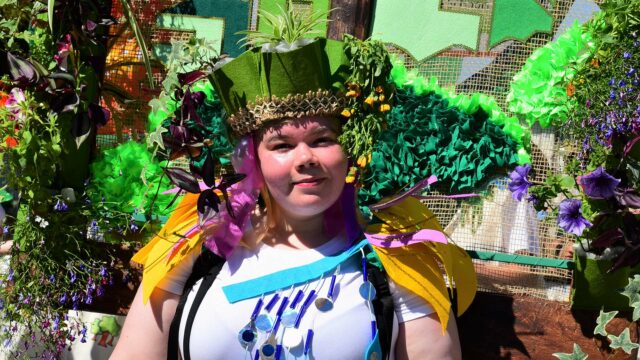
(305, 156)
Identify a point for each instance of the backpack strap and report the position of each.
(382, 307)
(207, 266)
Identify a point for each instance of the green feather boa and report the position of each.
(127, 178)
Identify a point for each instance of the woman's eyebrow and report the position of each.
(278, 136)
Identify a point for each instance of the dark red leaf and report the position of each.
(183, 179)
(208, 171)
(191, 77)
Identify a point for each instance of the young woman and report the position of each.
(293, 283)
(304, 170)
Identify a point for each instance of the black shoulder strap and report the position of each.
(207, 267)
(382, 307)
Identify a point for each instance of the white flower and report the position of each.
(44, 223)
(38, 218)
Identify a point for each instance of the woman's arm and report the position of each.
(422, 338)
(145, 334)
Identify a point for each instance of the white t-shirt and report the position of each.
(342, 333)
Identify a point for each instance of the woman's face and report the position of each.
(303, 164)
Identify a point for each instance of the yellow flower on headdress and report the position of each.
(363, 160)
(351, 176)
(352, 93)
(385, 107)
(369, 101)
(379, 89)
(346, 113)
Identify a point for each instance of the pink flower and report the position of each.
(64, 48)
(12, 103)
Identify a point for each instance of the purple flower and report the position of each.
(631, 72)
(598, 184)
(570, 217)
(626, 55)
(134, 227)
(5, 230)
(10, 277)
(612, 82)
(72, 276)
(519, 185)
(60, 206)
(63, 299)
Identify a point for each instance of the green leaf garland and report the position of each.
(468, 104)
(539, 91)
(427, 136)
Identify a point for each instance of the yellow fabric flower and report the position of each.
(385, 107)
(346, 113)
(369, 101)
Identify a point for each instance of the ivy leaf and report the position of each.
(156, 137)
(632, 290)
(577, 354)
(623, 342)
(636, 310)
(602, 321)
(156, 105)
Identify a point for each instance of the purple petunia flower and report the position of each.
(598, 184)
(570, 217)
(519, 185)
(626, 55)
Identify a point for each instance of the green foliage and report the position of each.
(288, 26)
(622, 341)
(602, 321)
(369, 95)
(577, 354)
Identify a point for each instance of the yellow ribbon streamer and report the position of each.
(169, 247)
(417, 267)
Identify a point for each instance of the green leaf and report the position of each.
(632, 290)
(567, 182)
(156, 137)
(623, 341)
(636, 311)
(602, 321)
(50, 5)
(133, 23)
(577, 354)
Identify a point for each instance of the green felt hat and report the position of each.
(259, 86)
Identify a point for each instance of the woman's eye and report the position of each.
(281, 146)
(325, 141)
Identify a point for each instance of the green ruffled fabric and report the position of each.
(118, 178)
(427, 136)
(469, 104)
(539, 90)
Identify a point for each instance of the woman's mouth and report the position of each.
(310, 182)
